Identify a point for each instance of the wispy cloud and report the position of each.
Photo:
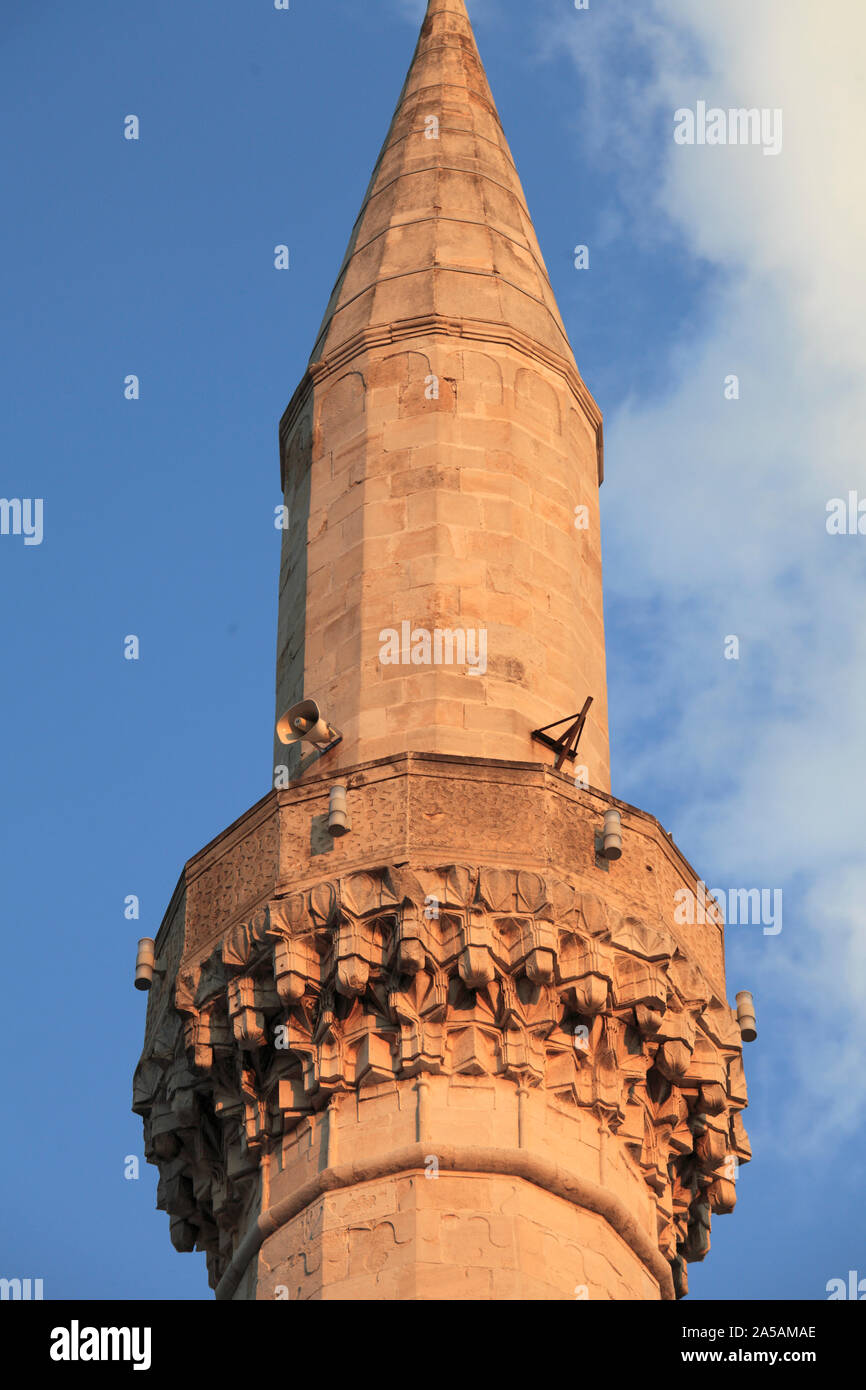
(715, 509)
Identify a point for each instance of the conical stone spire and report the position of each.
(441, 458)
(444, 227)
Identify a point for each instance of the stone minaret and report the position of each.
(456, 1052)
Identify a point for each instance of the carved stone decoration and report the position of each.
(355, 982)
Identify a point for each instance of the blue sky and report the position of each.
(156, 258)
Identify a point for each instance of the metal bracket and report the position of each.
(565, 745)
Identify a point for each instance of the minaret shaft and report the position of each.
(441, 459)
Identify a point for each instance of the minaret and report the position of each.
(418, 1030)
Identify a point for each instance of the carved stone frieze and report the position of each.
(455, 969)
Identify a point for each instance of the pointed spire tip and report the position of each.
(457, 7)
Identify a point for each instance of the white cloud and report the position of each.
(718, 508)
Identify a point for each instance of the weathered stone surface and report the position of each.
(436, 451)
(586, 1029)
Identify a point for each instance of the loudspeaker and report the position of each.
(338, 813)
(746, 1016)
(305, 721)
(612, 835)
(144, 963)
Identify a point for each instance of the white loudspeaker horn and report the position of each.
(305, 722)
(145, 962)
